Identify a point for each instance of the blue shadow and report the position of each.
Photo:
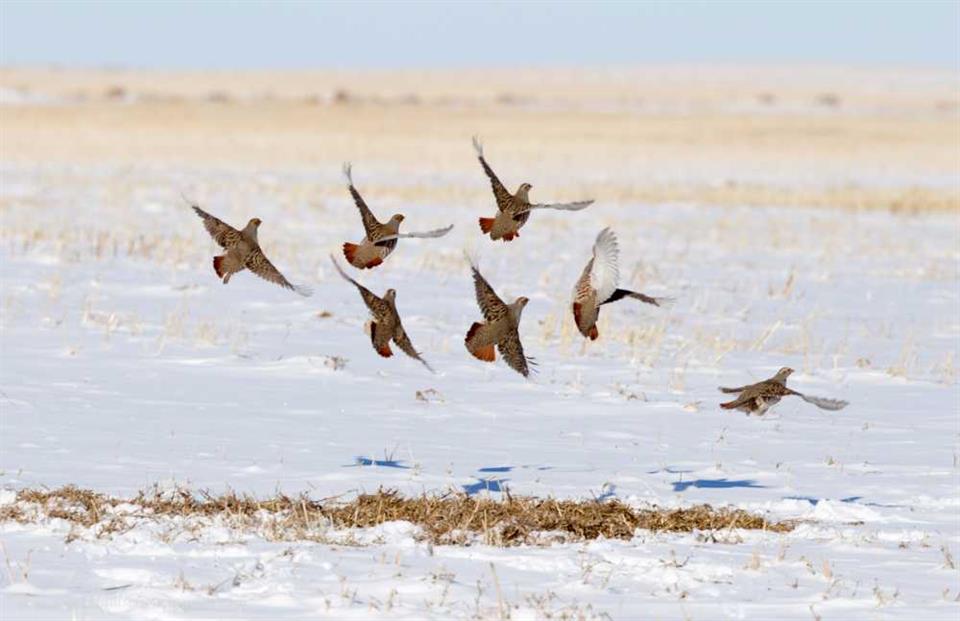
(855, 499)
(490, 485)
(496, 469)
(682, 486)
(383, 463)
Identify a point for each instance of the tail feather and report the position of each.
(487, 353)
(349, 252)
(218, 266)
(486, 224)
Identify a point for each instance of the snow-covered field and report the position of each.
(126, 364)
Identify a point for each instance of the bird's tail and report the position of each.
(473, 343)
(486, 224)
(349, 252)
(218, 266)
(732, 405)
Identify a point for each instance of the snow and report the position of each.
(126, 364)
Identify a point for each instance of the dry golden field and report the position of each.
(746, 136)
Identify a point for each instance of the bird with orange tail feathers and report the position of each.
(381, 238)
(758, 398)
(385, 325)
(500, 328)
(597, 285)
(513, 210)
(243, 252)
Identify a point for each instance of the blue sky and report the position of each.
(228, 34)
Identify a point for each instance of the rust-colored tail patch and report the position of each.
(486, 353)
(729, 405)
(218, 265)
(349, 252)
(373, 263)
(592, 333)
(383, 350)
(486, 224)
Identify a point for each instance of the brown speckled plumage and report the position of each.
(597, 285)
(500, 328)
(758, 398)
(385, 325)
(243, 252)
(380, 237)
(513, 210)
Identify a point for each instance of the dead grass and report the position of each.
(455, 519)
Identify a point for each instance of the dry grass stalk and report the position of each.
(443, 519)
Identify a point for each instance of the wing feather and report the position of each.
(511, 350)
(403, 342)
(375, 304)
(429, 234)
(574, 206)
(370, 222)
(221, 232)
(605, 272)
(259, 264)
(491, 305)
(504, 198)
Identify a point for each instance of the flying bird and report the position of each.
(513, 209)
(598, 285)
(243, 252)
(500, 328)
(385, 325)
(758, 398)
(381, 238)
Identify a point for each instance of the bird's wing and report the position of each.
(619, 294)
(491, 305)
(731, 390)
(403, 342)
(428, 234)
(823, 403)
(221, 232)
(376, 305)
(575, 206)
(259, 264)
(511, 349)
(604, 272)
(370, 223)
(504, 198)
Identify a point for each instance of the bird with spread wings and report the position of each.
(385, 325)
(597, 285)
(381, 237)
(513, 210)
(243, 252)
(758, 398)
(499, 329)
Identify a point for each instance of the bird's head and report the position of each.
(517, 307)
(784, 373)
(524, 190)
(390, 295)
(254, 223)
(397, 218)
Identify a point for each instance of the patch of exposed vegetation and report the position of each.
(456, 519)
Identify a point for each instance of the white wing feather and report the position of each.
(576, 206)
(605, 273)
(433, 233)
